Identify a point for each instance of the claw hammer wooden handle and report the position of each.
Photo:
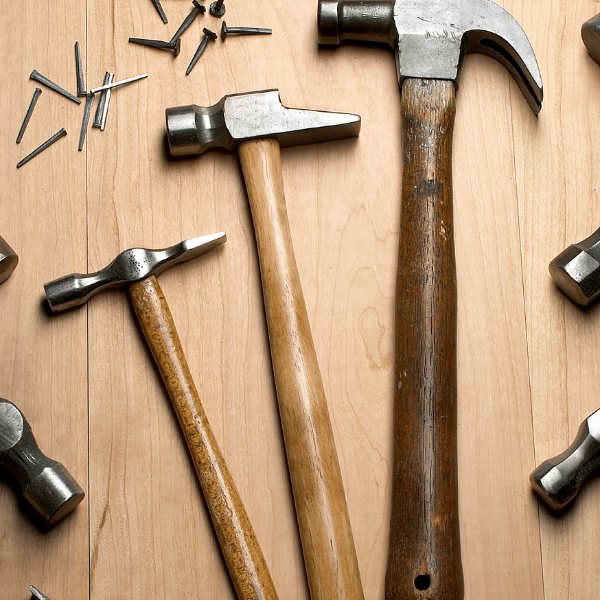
(424, 552)
(328, 546)
(243, 556)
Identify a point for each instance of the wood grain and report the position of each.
(241, 550)
(325, 531)
(424, 551)
(525, 187)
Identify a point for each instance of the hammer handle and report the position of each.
(327, 542)
(239, 545)
(424, 552)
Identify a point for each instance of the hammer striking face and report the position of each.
(430, 39)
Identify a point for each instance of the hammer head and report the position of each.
(131, 266)
(576, 270)
(431, 37)
(254, 115)
(590, 34)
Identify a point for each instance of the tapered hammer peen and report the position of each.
(255, 125)
(430, 39)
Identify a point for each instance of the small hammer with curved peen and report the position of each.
(138, 268)
(430, 39)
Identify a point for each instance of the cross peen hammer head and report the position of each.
(131, 266)
(238, 118)
(431, 37)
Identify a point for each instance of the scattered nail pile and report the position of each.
(217, 9)
(101, 111)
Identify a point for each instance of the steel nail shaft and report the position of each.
(208, 35)
(108, 77)
(28, 114)
(45, 81)
(79, 71)
(41, 148)
(175, 45)
(37, 594)
(160, 10)
(198, 8)
(225, 31)
(89, 101)
(115, 84)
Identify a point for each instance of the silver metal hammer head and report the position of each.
(576, 270)
(590, 34)
(254, 115)
(135, 264)
(431, 37)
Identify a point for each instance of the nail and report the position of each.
(208, 35)
(115, 84)
(172, 45)
(35, 592)
(225, 31)
(89, 101)
(105, 111)
(217, 9)
(79, 71)
(160, 10)
(28, 114)
(108, 78)
(41, 148)
(45, 81)
(198, 8)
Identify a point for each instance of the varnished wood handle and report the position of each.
(424, 560)
(239, 545)
(327, 542)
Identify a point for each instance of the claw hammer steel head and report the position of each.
(431, 37)
(45, 483)
(250, 116)
(131, 266)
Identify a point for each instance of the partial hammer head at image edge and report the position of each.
(45, 483)
(237, 118)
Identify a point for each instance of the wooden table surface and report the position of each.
(525, 187)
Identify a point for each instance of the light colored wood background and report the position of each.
(529, 365)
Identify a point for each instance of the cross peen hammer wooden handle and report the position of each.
(242, 553)
(324, 524)
(424, 553)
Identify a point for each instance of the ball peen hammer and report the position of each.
(255, 125)
(138, 268)
(430, 38)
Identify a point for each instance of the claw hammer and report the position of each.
(430, 38)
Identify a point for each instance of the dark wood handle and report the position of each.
(327, 542)
(424, 553)
(239, 545)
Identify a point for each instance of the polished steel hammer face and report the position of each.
(137, 269)
(430, 39)
(558, 480)
(45, 483)
(8, 260)
(256, 125)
